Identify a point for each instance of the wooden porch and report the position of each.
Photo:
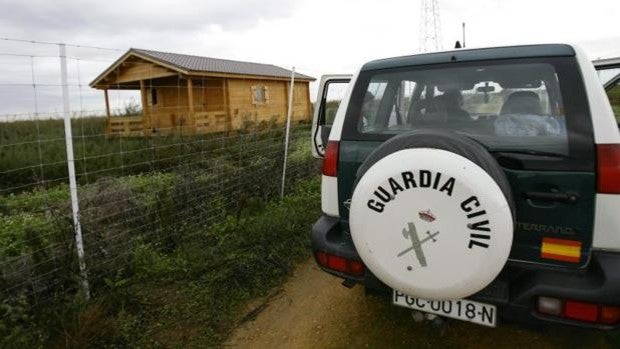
(202, 108)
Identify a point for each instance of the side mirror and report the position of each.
(332, 89)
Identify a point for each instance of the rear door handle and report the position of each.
(567, 198)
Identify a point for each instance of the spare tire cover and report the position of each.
(432, 215)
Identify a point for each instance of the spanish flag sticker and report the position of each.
(561, 250)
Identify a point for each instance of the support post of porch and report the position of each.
(146, 116)
(226, 104)
(107, 109)
(191, 122)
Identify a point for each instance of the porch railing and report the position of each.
(126, 126)
(211, 121)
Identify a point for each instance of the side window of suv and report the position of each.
(333, 96)
(613, 92)
(610, 77)
(372, 102)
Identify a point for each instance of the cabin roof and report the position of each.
(189, 64)
(218, 65)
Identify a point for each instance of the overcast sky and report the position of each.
(315, 36)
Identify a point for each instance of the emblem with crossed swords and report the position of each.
(416, 243)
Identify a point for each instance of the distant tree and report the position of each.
(131, 108)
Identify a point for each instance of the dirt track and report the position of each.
(312, 310)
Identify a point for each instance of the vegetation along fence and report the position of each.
(79, 204)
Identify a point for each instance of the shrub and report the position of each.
(203, 220)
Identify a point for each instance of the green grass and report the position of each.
(118, 212)
(33, 153)
(189, 296)
(210, 278)
(191, 214)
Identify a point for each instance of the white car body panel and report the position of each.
(603, 120)
(607, 223)
(329, 196)
(606, 235)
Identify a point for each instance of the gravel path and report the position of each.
(312, 310)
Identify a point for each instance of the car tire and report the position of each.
(432, 215)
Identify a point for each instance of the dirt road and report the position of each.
(312, 310)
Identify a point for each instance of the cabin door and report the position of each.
(214, 95)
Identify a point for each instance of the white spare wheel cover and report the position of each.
(431, 223)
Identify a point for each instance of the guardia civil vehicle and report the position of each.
(478, 184)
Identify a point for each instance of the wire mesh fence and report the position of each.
(159, 157)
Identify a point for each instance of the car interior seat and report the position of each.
(522, 102)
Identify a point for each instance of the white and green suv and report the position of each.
(477, 184)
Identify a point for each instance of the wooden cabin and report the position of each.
(194, 94)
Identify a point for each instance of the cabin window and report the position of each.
(259, 94)
(152, 97)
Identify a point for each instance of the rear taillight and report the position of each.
(330, 161)
(340, 264)
(579, 311)
(608, 168)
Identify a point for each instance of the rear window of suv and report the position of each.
(534, 110)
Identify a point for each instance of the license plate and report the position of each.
(462, 309)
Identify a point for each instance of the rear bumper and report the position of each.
(516, 288)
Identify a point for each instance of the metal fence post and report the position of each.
(288, 129)
(75, 207)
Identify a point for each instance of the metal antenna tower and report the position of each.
(430, 27)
